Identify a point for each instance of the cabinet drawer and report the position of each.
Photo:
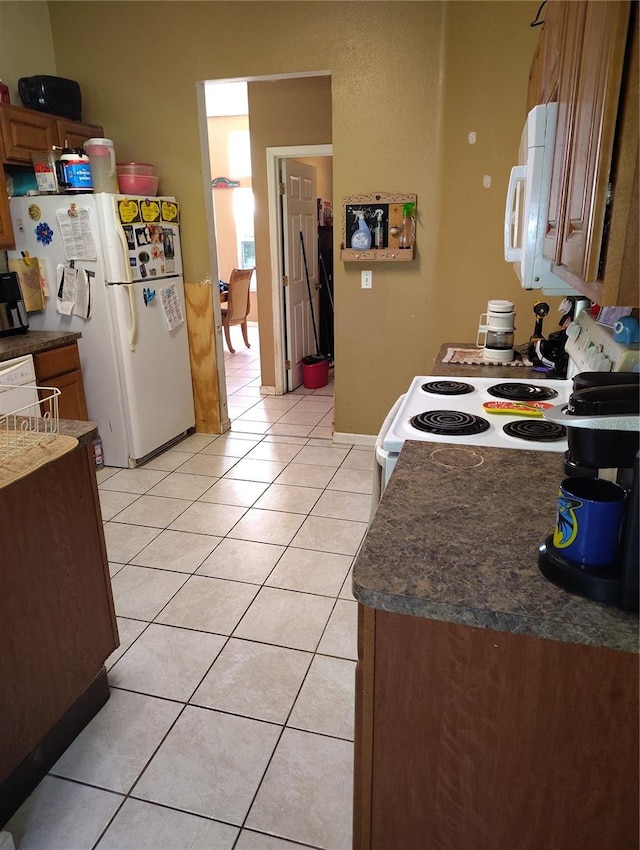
(56, 361)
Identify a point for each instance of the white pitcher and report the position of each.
(102, 157)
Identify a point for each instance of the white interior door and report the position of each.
(299, 215)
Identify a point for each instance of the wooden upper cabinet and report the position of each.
(545, 67)
(73, 134)
(588, 224)
(25, 130)
(569, 20)
(598, 81)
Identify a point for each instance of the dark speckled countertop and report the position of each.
(31, 342)
(455, 538)
(484, 370)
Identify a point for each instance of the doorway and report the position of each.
(278, 110)
(229, 150)
(314, 156)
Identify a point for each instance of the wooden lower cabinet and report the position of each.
(60, 368)
(474, 739)
(57, 615)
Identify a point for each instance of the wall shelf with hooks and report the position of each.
(391, 223)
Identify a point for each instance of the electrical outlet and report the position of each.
(366, 280)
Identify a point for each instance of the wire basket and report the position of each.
(29, 425)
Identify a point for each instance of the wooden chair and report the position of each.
(237, 307)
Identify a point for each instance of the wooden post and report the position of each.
(202, 355)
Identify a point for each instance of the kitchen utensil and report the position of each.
(138, 184)
(74, 171)
(540, 309)
(588, 520)
(603, 435)
(44, 165)
(626, 330)
(102, 157)
(497, 327)
(531, 408)
(135, 168)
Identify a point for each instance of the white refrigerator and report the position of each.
(113, 271)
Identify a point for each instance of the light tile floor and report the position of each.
(230, 722)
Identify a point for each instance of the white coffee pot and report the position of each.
(495, 331)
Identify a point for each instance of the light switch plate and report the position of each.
(366, 280)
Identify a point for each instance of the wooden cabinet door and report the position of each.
(56, 605)
(71, 402)
(60, 368)
(73, 134)
(25, 130)
(598, 82)
(570, 24)
(545, 66)
(492, 740)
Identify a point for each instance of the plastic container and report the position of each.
(44, 166)
(315, 371)
(135, 168)
(102, 157)
(74, 171)
(138, 184)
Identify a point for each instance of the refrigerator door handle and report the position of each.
(133, 327)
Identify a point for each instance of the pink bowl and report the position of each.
(138, 184)
(135, 168)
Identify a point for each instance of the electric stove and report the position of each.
(499, 413)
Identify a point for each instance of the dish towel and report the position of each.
(473, 357)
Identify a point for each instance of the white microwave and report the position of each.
(527, 204)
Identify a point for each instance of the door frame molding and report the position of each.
(274, 156)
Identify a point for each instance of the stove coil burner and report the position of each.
(447, 388)
(535, 430)
(449, 423)
(521, 392)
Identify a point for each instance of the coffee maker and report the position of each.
(603, 434)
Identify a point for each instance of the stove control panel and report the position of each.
(592, 348)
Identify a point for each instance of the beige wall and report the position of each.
(409, 80)
(26, 46)
(488, 47)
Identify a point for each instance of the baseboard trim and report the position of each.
(354, 439)
(264, 390)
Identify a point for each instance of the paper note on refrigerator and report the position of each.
(66, 291)
(171, 307)
(82, 304)
(30, 280)
(77, 234)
